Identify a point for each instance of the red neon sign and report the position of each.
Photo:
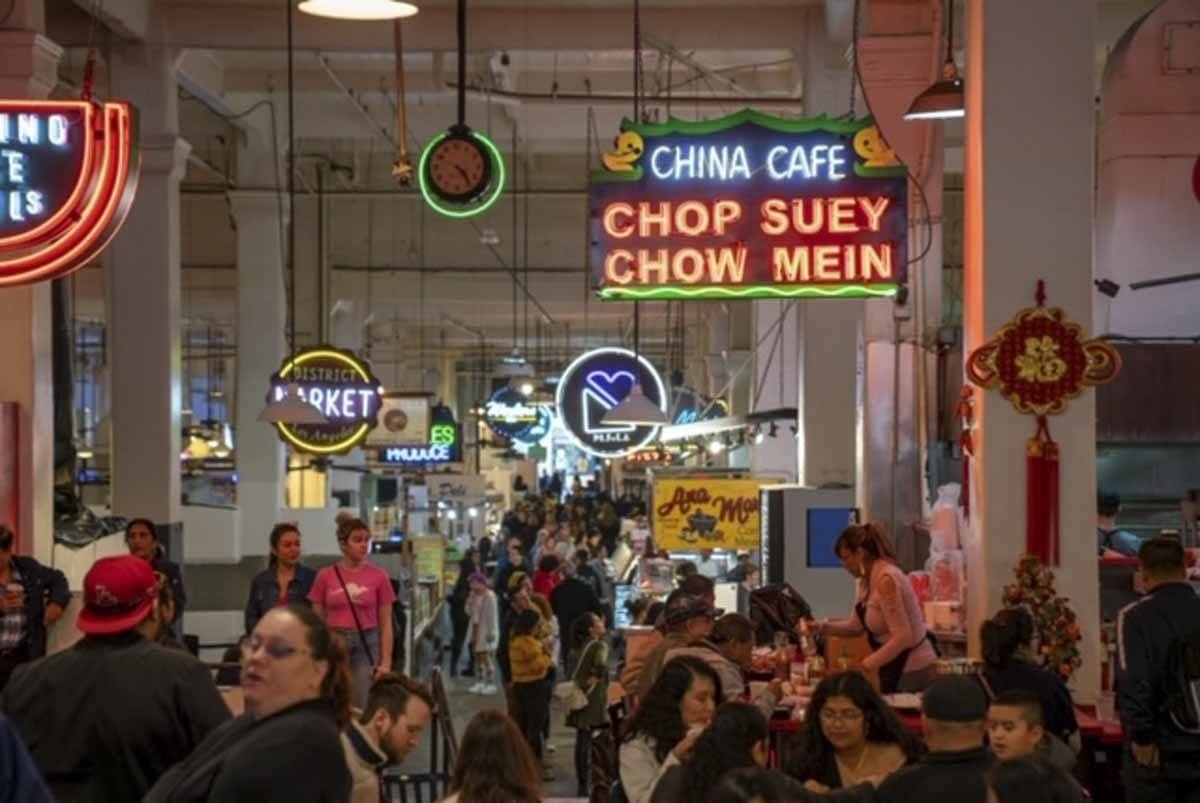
(68, 175)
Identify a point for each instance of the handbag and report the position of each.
(362, 637)
(568, 692)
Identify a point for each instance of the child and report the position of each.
(1016, 729)
(530, 661)
(483, 615)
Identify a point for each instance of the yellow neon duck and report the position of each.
(628, 149)
(871, 146)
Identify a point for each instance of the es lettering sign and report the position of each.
(749, 206)
(338, 384)
(68, 174)
(594, 384)
(706, 513)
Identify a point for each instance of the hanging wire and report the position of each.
(854, 61)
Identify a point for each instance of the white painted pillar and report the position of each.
(144, 302)
(261, 347)
(900, 53)
(28, 69)
(1030, 61)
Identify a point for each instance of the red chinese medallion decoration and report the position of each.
(68, 173)
(1039, 362)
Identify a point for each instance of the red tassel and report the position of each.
(1042, 498)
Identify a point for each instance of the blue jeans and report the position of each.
(362, 665)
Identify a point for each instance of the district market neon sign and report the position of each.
(68, 175)
(749, 206)
(338, 384)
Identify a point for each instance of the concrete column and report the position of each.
(900, 53)
(144, 301)
(776, 383)
(1013, 238)
(261, 347)
(28, 69)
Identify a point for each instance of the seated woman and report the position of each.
(501, 767)
(851, 736)
(1007, 646)
(667, 724)
(286, 746)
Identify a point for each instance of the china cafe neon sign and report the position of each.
(749, 206)
(68, 174)
(338, 384)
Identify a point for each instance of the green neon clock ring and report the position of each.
(490, 197)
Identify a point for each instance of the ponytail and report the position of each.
(869, 537)
(1004, 634)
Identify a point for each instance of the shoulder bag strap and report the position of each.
(987, 687)
(582, 658)
(362, 637)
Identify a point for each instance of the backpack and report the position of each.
(1182, 682)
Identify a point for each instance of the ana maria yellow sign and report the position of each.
(706, 513)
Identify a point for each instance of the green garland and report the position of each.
(1055, 624)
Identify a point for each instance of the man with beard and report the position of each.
(398, 711)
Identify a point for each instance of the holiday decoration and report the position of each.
(1055, 626)
(1039, 362)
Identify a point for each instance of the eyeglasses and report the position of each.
(275, 650)
(830, 717)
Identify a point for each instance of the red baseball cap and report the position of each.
(117, 595)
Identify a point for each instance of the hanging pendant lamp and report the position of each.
(944, 99)
(358, 9)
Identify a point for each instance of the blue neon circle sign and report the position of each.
(594, 384)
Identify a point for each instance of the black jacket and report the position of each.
(670, 789)
(293, 756)
(174, 576)
(571, 599)
(264, 592)
(940, 778)
(1048, 686)
(42, 585)
(104, 719)
(1145, 630)
(20, 782)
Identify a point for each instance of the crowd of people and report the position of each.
(128, 714)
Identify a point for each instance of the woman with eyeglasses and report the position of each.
(355, 598)
(285, 748)
(851, 736)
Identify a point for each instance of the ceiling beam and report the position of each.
(129, 19)
(223, 26)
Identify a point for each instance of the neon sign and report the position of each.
(749, 206)
(68, 174)
(509, 413)
(416, 455)
(338, 384)
(594, 384)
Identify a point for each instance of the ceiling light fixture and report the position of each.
(359, 9)
(944, 99)
(759, 436)
(715, 446)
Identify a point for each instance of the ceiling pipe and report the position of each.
(624, 100)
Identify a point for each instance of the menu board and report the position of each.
(429, 557)
(706, 513)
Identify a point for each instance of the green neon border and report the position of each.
(483, 206)
(749, 291)
(783, 125)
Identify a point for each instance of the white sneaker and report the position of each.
(488, 689)
(477, 688)
(551, 748)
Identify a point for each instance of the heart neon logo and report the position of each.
(609, 386)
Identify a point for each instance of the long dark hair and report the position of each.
(325, 646)
(751, 785)
(277, 534)
(724, 746)
(1030, 780)
(658, 717)
(1004, 634)
(149, 525)
(869, 537)
(818, 761)
(501, 768)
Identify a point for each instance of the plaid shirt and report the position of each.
(12, 623)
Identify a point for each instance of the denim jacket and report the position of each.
(43, 585)
(264, 592)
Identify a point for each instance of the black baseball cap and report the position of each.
(682, 606)
(955, 698)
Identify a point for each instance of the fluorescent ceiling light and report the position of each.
(292, 409)
(359, 9)
(636, 408)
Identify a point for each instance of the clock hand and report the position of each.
(464, 173)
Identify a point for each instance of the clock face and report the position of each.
(459, 169)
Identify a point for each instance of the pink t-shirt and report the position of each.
(369, 587)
